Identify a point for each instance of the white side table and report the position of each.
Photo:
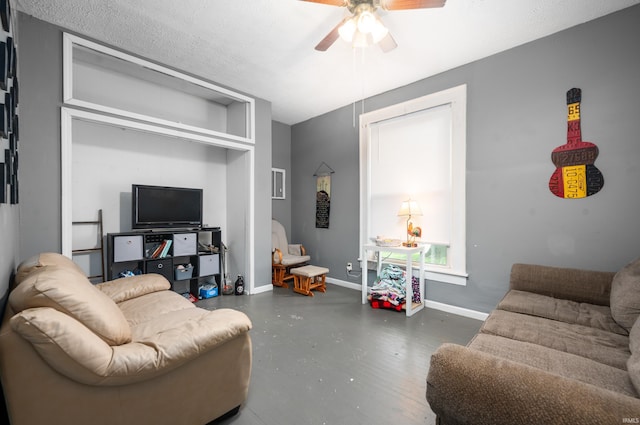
(411, 307)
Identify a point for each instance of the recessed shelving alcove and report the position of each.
(127, 120)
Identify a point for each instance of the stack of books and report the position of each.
(160, 250)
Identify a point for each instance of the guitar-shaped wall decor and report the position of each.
(576, 176)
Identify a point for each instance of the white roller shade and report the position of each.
(410, 156)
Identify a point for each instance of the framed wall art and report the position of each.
(9, 110)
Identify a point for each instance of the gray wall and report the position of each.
(262, 196)
(281, 158)
(40, 63)
(40, 101)
(8, 248)
(516, 115)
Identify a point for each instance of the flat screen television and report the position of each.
(163, 207)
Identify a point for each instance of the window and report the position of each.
(417, 150)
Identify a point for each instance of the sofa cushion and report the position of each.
(151, 306)
(70, 292)
(127, 288)
(625, 295)
(634, 338)
(583, 286)
(595, 316)
(41, 260)
(633, 364)
(65, 344)
(633, 367)
(558, 362)
(601, 346)
(74, 351)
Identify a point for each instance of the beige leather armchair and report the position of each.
(284, 256)
(129, 351)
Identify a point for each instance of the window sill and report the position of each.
(449, 276)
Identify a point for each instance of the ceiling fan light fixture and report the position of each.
(366, 22)
(347, 30)
(379, 31)
(361, 40)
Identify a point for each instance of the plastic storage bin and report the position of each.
(184, 272)
(208, 291)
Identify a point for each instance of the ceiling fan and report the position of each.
(364, 26)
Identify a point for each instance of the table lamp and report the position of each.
(409, 208)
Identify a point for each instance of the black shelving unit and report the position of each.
(137, 252)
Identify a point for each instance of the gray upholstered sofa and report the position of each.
(562, 347)
(129, 351)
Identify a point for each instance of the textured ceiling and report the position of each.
(266, 47)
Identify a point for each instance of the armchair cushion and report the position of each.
(68, 291)
(284, 253)
(625, 295)
(295, 249)
(289, 260)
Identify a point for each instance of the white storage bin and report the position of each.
(127, 248)
(185, 244)
(208, 265)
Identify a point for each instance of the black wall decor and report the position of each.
(9, 135)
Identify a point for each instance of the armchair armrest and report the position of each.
(76, 352)
(467, 386)
(577, 285)
(126, 288)
(276, 256)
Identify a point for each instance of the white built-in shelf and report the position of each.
(106, 80)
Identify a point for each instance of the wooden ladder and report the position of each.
(97, 249)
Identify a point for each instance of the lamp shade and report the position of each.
(409, 208)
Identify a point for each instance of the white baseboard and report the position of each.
(460, 311)
(261, 289)
(345, 284)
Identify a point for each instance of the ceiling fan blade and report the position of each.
(387, 43)
(410, 4)
(330, 38)
(329, 2)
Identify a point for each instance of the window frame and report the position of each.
(456, 97)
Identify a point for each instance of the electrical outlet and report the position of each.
(349, 267)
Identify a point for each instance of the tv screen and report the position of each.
(161, 206)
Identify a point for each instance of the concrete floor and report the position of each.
(330, 360)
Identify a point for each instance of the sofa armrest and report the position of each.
(467, 386)
(577, 285)
(127, 288)
(74, 351)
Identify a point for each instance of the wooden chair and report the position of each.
(284, 256)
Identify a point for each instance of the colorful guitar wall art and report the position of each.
(576, 176)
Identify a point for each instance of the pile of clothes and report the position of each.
(390, 287)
